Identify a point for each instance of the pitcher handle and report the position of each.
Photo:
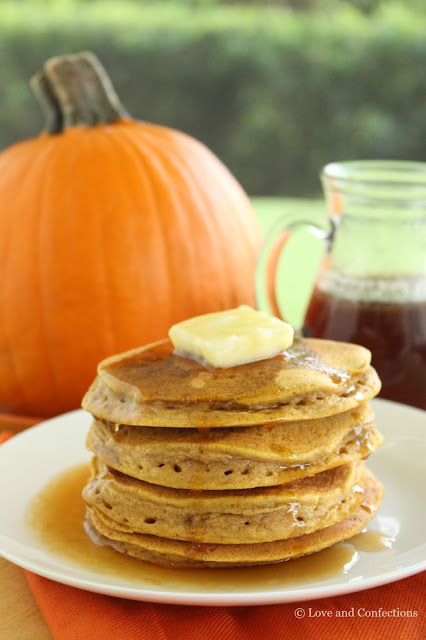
(275, 241)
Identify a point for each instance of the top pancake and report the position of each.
(152, 386)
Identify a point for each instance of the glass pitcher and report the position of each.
(371, 286)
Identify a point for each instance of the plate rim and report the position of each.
(223, 599)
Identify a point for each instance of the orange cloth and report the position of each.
(73, 614)
(78, 615)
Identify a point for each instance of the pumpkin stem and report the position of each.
(75, 90)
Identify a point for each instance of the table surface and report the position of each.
(20, 616)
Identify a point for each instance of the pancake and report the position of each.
(235, 458)
(152, 386)
(228, 517)
(175, 553)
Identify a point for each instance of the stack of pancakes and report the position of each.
(249, 465)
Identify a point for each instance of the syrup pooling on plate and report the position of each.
(56, 517)
(372, 540)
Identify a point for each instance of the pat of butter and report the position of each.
(229, 338)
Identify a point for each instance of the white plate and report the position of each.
(30, 460)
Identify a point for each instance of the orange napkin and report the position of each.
(5, 435)
(394, 610)
(79, 615)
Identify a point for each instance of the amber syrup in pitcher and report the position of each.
(385, 317)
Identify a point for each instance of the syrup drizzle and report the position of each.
(301, 356)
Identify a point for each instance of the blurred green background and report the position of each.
(276, 89)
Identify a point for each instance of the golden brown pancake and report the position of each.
(152, 386)
(227, 517)
(235, 458)
(175, 553)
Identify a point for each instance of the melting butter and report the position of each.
(230, 338)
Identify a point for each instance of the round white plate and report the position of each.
(31, 459)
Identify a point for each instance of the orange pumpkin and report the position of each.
(111, 230)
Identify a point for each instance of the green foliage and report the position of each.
(274, 93)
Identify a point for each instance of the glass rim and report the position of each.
(404, 173)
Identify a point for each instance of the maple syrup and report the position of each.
(56, 518)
